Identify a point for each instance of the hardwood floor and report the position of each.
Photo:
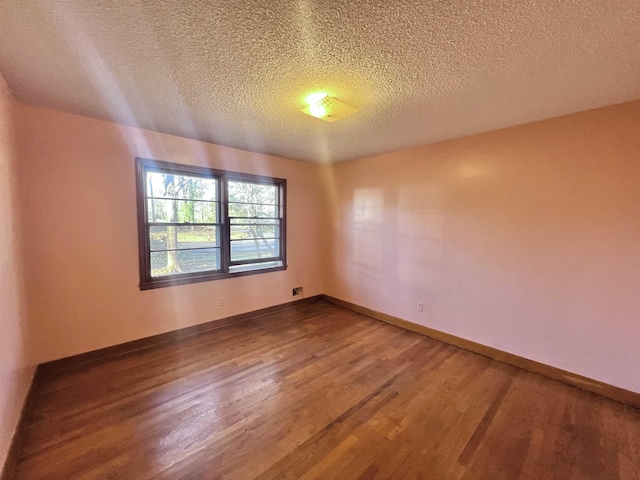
(318, 391)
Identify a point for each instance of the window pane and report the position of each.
(163, 238)
(238, 232)
(254, 249)
(246, 267)
(257, 221)
(168, 185)
(182, 223)
(182, 211)
(247, 192)
(205, 212)
(252, 210)
(184, 261)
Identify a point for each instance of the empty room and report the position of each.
(320, 239)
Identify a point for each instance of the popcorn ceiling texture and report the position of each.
(235, 72)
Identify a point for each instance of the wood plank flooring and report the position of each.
(317, 391)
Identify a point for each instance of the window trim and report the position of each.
(147, 282)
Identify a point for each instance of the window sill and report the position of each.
(185, 279)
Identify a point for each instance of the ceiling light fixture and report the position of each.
(327, 108)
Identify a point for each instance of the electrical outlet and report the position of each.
(420, 306)
(297, 291)
(221, 302)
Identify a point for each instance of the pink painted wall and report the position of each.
(16, 370)
(80, 234)
(525, 239)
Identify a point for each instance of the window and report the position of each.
(197, 224)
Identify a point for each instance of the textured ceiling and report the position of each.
(235, 72)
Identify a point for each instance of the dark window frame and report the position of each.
(143, 165)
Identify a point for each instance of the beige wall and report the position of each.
(80, 234)
(16, 370)
(525, 239)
